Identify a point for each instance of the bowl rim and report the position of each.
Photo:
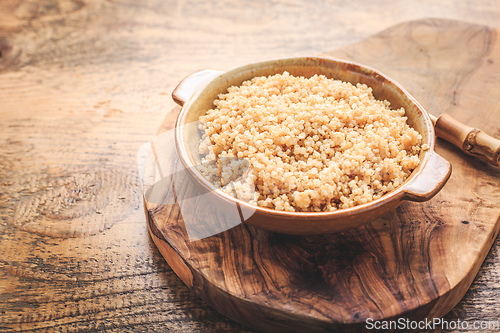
(397, 194)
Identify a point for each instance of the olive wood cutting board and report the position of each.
(416, 262)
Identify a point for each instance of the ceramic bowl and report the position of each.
(197, 92)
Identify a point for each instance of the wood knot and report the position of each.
(78, 205)
(470, 141)
(4, 49)
(496, 156)
(9, 55)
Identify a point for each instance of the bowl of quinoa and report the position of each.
(308, 145)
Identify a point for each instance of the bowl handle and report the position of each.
(186, 88)
(431, 180)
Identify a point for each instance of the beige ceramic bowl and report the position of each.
(197, 92)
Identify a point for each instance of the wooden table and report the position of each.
(83, 84)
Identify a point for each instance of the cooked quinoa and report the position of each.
(306, 144)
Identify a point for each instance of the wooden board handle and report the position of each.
(471, 140)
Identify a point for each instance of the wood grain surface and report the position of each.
(83, 84)
(414, 263)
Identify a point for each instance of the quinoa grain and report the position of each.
(297, 144)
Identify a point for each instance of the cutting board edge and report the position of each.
(189, 276)
(449, 301)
